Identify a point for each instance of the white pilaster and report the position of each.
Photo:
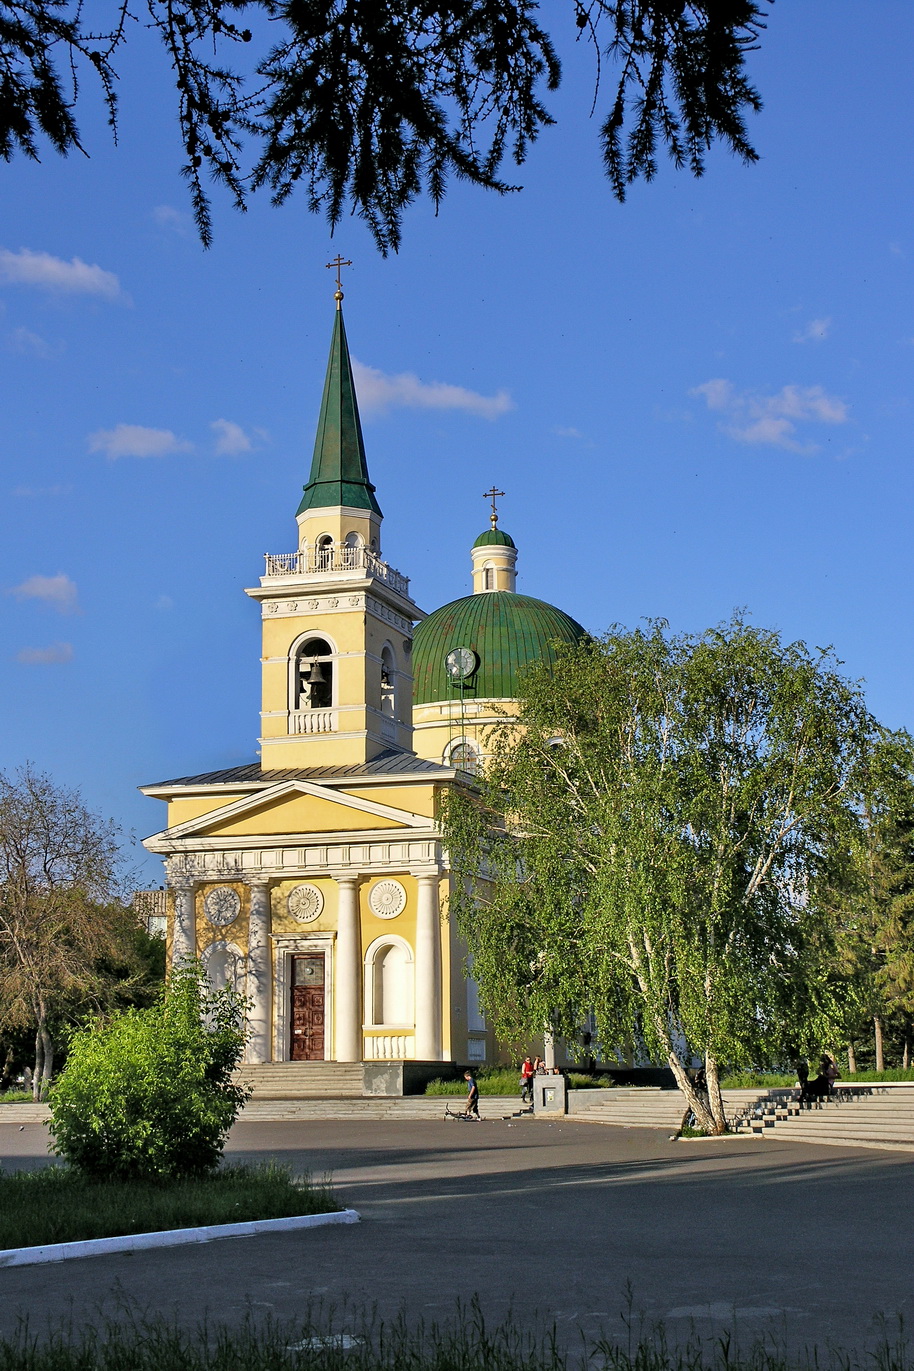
(184, 933)
(347, 976)
(259, 979)
(428, 971)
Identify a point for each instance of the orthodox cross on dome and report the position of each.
(493, 495)
(339, 262)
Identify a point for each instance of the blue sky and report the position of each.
(695, 401)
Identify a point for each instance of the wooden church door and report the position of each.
(307, 1008)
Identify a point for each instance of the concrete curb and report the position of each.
(170, 1237)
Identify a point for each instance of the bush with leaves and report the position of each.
(149, 1093)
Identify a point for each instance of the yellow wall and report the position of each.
(415, 799)
(300, 814)
(181, 811)
(236, 932)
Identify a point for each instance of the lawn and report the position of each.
(500, 1080)
(55, 1204)
(766, 1080)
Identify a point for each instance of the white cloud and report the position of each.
(35, 492)
(231, 438)
(379, 392)
(27, 268)
(772, 419)
(133, 440)
(164, 603)
(816, 331)
(167, 217)
(568, 432)
(45, 656)
(57, 591)
(30, 344)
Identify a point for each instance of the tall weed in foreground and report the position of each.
(149, 1093)
(346, 1339)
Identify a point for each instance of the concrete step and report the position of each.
(303, 1080)
(24, 1113)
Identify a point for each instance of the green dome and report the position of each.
(494, 537)
(506, 630)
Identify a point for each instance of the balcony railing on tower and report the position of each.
(325, 561)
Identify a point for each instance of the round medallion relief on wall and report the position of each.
(222, 905)
(305, 903)
(387, 899)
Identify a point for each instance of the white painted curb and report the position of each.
(170, 1237)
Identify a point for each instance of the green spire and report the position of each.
(339, 472)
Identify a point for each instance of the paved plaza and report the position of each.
(806, 1243)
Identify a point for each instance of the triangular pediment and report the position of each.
(296, 807)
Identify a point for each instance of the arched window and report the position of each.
(488, 578)
(388, 682)
(313, 675)
(323, 553)
(352, 552)
(464, 755)
(389, 983)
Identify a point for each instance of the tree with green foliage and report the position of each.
(375, 104)
(870, 896)
(151, 1092)
(644, 844)
(68, 939)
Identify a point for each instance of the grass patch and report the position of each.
(500, 1080)
(16, 1097)
(767, 1080)
(757, 1080)
(55, 1204)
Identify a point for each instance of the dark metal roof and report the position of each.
(388, 763)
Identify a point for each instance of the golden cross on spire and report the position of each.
(492, 495)
(339, 261)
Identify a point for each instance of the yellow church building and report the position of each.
(314, 878)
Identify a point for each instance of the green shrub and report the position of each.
(149, 1093)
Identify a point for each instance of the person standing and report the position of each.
(472, 1109)
(526, 1081)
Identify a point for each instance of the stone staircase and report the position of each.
(880, 1116)
(303, 1080)
(430, 1108)
(645, 1106)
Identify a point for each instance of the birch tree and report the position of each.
(63, 931)
(645, 843)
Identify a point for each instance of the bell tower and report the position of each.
(337, 619)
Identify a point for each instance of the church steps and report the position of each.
(883, 1119)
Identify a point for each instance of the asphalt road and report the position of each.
(805, 1244)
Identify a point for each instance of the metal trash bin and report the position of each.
(550, 1095)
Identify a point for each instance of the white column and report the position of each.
(549, 1049)
(259, 986)
(183, 932)
(428, 971)
(347, 974)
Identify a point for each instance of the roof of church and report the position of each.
(339, 471)
(494, 536)
(389, 763)
(507, 632)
